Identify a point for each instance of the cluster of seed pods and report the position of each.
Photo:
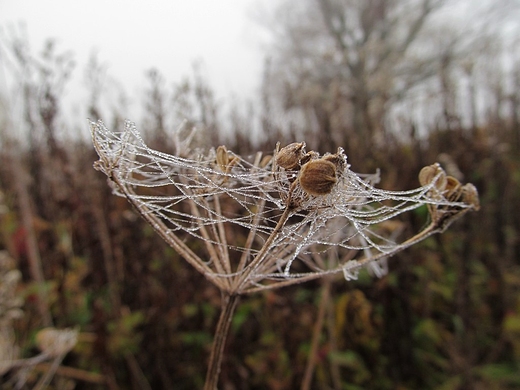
(316, 175)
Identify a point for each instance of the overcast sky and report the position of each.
(132, 36)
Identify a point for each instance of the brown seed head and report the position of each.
(318, 177)
(338, 159)
(289, 156)
(453, 189)
(470, 195)
(312, 155)
(222, 158)
(429, 173)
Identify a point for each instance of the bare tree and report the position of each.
(343, 68)
(95, 79)
(343, 61)
(194, 100)
(155, 106)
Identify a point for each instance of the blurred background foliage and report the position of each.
(399, 85)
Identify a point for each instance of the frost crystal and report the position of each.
(258, 225)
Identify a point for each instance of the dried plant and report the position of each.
(53, 343)
(268, 221)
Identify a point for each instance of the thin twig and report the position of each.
(208, 242)
(316, 335)
(45, 379)
(137, 373)
(252, 235)
(433, 228)
(174, 241)
(223, 247)
(260, 207)
(74, 373)
(33, 252)
(263, 252)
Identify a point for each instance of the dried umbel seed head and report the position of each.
(289, 156)
(318, 177)
(449, 187)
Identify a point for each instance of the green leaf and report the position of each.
(505, 374)
(512, 324)
(428, 328)
(199, 339)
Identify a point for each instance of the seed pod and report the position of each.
(224, 162)
(312, 155)
(338, 159)
(453, 189)
(289, 156)
(470, 195)
(429, 173)
(318, 177)
(222, 158)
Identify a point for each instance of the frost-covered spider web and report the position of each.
(230, 217)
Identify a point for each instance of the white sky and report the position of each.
(132, 36)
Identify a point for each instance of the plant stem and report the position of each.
(316, 334)
(229, 304)
(33, 252)
(263, 252)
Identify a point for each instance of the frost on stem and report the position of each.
(270, 221)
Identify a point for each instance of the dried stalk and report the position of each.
(47, 377)
(74, 373)
(316, 334)
(259, 258)
(229, 304)
(33, 252)
(319, 204)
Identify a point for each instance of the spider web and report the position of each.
(230, 220)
